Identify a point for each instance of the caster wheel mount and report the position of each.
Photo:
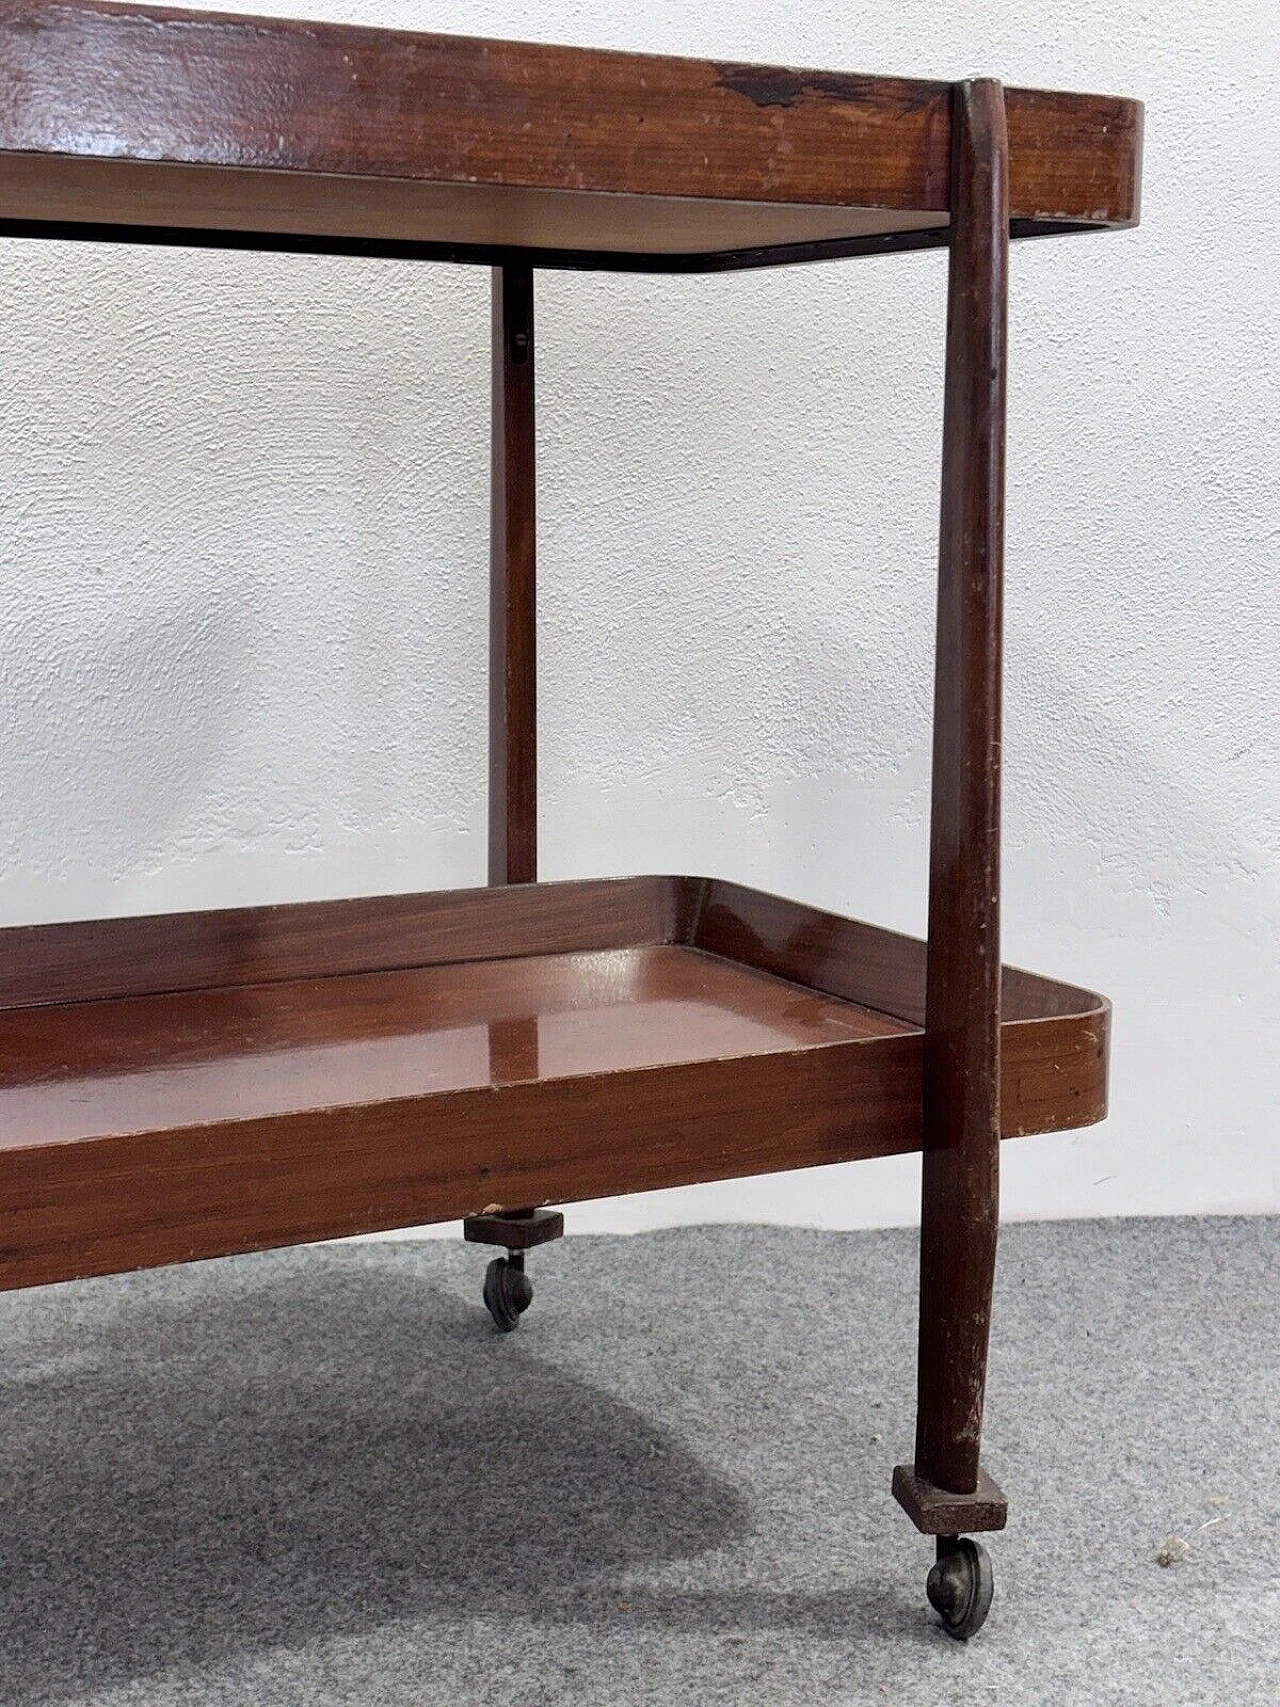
(508, 1291)
(960, 1586)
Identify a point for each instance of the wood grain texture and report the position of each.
(513, 588)
(207, 1057)
(99, 104)
(179, 1194)
(1054, 1037)
(962, 1094)
(864, 963)
(42, 964)
(235, 1080)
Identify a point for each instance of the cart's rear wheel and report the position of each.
(961, 1585)
(508, 1291)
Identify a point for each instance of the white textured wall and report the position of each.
(243, 523)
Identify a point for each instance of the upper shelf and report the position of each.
(136, 122)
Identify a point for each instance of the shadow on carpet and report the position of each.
(225, 1472)
(318, 1476)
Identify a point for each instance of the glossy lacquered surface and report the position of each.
(343, 1067)
(142, 117)
(199, 1057)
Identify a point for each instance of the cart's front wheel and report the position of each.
(508, 1291)
(961, 1585)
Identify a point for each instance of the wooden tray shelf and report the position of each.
(188, 1086)
(174, 1088)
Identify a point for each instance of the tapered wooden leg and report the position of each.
(944, 1490)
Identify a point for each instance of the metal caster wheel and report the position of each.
(960, 1586)
(508, 1291)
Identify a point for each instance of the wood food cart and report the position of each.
(175, 1088)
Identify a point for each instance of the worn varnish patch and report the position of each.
(779, 86)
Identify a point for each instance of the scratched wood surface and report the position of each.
(960, 1186)
(148, 119)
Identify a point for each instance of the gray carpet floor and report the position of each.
(320, 1477)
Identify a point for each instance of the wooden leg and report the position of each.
(513, 691)
(945, 1490)
(513, 728)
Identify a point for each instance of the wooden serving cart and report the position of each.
(175, 1088)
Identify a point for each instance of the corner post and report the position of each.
(513, 693)
(945, 1490)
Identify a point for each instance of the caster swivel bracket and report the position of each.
(508, 1291)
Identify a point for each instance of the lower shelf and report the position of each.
(182, 1087)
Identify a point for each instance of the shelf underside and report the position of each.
(136, 122)
(185, 1087)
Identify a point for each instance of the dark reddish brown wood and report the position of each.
(170, 1193)
(490, 254)
(212, 1056)
(517, 1230)
(476, 221)
(181, 1088)
(513, 593)
(960, 1204)
(1054, 1037)
(136, 1201)
(343, 1067)
(146, 117)
(241, 946)
(936, 1511)
(513, 622)
(514, 1050)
